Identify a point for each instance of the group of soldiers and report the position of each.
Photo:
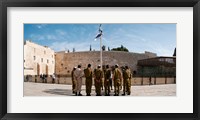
(102, 78)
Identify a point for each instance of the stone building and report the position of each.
(38, 59)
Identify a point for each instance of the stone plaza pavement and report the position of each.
(43, 89)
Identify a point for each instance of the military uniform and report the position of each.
(127, 81)
(117, 80)
(94, 73)
(110, 79)
(88, 80)
(107, 75)
(78, 74)
(73, 81)
(98, 81)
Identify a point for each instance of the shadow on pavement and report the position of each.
(67, 92)
(64, 92)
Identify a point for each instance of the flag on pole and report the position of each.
(100, 33)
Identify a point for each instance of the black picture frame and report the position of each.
(99, 3)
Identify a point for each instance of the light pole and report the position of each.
(100, 36)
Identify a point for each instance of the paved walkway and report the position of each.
(42, 89)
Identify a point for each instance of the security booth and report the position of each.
(162, 67)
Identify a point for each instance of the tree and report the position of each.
(73, 49)
(122, 48)
(174, 52)
(90, 48)
(103, 47)
(108, 48)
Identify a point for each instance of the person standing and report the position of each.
(73, 81)
(27, 78)
(98, 80)
(117, 77)
(53, 78)
(78, 74)
(94, 73)
(150, 81)
(88, 79)
(127, 81)
(107, 75)
(43, 77)
(110, 80)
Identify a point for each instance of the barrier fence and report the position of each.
(139, 80)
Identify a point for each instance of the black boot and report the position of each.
(79, 94)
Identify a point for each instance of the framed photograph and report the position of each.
(99, 59)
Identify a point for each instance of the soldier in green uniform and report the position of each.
(98, 80)
(102, 82)
(94, 73)
(107, 75)
(88, 79)
(127, 81)
(117, 77)
(73, 80)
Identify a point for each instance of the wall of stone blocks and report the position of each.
(66, 61)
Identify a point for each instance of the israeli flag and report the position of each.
(100, 33)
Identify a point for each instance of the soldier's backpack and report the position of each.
(87, 73)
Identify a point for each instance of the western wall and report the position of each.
(66, 61)
(41, 59)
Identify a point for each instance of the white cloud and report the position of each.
(61, 32)
(60, 46)
(161, 50)
(43, 37)
(51, 37)
(37, 37)
(41, 26)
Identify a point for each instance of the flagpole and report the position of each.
(101, 52)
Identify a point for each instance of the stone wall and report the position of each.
(42, 60)
(66, 61)
(38, 59)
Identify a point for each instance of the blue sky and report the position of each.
(157, 38)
